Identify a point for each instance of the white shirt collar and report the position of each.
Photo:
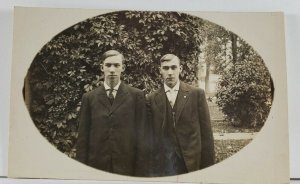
(106, 87)
(175, 88)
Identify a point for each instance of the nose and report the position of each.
(170, 71)
(111, 69)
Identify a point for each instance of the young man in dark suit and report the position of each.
(182, 134)
(111, 134)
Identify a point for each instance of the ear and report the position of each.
(123, 67)
(101, 67)
(180, 68)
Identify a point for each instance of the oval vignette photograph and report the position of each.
(148, 94)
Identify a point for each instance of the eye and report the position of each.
(165, 68)
(174, 67)
(108, 65)
(117, 65)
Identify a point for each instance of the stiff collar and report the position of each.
(175, 88)
(106, 87)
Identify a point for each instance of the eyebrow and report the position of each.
(171, 66)
(115, 64)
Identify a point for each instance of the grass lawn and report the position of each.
(226, 148)
(225, 127)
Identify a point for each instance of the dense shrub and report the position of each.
(245, 91)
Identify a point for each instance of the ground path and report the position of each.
(235, 136)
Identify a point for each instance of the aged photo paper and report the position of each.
(263, 160)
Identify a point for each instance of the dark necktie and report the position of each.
(111, 96)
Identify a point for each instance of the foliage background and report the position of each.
(68, 66)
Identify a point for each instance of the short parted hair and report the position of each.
(111, 53)
(168, 57)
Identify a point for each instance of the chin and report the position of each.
(170, 84)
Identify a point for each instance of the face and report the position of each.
(170, 71)
(112, 68)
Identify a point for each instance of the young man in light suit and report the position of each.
(112, 123)
(182, 134)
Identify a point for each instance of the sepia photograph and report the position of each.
(148, 96)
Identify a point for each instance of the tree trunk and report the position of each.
(234, 47)
(207, 73)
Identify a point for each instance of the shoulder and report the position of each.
(153, 94)
(134, 91)
(192, 88)
(92, 93)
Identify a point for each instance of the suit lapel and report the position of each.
(160, 100)
(120, 97)
(182, 97)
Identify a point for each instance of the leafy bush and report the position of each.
(68, 65)
(245, 91)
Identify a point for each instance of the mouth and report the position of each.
(169, 78)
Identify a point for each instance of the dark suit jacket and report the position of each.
(112, 137)
(193, 127)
